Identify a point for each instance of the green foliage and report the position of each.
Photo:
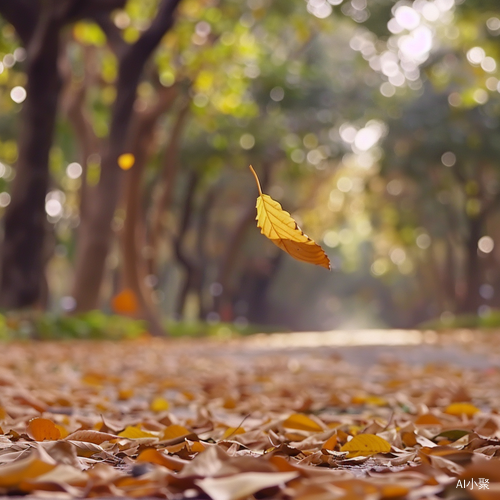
(93, 325)
(489, 320)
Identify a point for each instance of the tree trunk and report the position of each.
(189, 266)
(162, 199)
(471, 299)
(134, 238)
(25, 219)
(96, 232)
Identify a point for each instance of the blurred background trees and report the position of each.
(127, 128)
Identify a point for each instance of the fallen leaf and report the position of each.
(302, 422)
(277, 225)
(364, 445)
(159, 404)
(134, 432)
(242, 485)
(175, 432)
(90, 436)
(233, 431)
(330, 443)
(458, 409)
(427, 419)
(156, 457)
(41, 429)
(37, 463)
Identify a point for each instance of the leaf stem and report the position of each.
(256, 179)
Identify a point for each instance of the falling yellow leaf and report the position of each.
(126, 161)
(134, 432)
(302, 422)
(41, 429)
(277, 225)
(159, 404)
(364, 445)
(125, 302)
(458, 409)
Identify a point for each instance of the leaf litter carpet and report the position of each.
(207, 419)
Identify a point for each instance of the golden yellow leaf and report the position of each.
(63, 431)
(233, 431)
(125, 302)
(364, 445)
(126, 161)
(134, 432)
(159, 404)
(302, 422)
(330, 443)
(196, 447)
(41, 429)
(3, 413)
(277, 225)
(175, 431)
(458, 409)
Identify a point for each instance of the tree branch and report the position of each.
(23, 15)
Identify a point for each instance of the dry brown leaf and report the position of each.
(91, 436)
(38, 462)
(243, 484)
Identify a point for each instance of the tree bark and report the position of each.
(96, 233)
(471, 299)
(25, 220)
(190, 267)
